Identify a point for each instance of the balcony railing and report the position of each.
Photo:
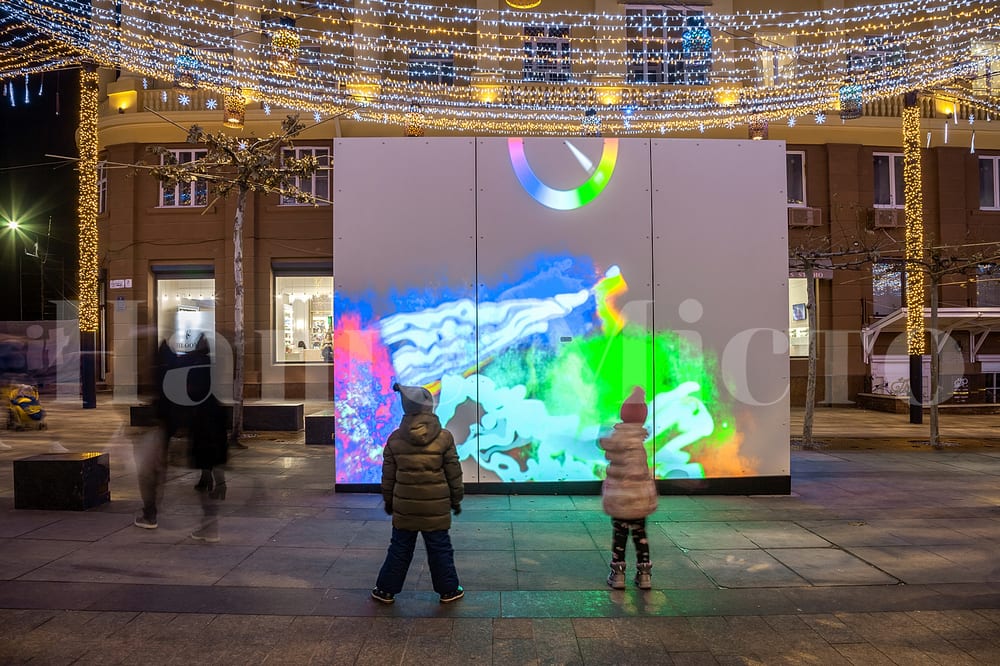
(548, 95)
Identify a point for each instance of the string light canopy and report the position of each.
(362, 53)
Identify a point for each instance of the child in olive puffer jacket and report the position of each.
(629, 492)
(421, 487)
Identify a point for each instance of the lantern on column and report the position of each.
(415, 121)
(591, 123)
(285, 47)
(758, 129)
(235, 109)
(851, 101)
(186, 68)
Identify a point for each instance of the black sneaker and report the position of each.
(144, 522)
(382, 596)
(453, 596)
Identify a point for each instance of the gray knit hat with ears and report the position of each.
(415, 399)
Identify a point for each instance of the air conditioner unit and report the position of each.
(884, 218)
(805, 217)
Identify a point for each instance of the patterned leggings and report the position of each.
(620, 538)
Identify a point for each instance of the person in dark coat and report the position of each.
(421, 487)
(209, 444)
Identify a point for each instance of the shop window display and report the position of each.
(303, 319)
(798, 317)
(185, 310)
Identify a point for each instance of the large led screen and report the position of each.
(532, 284)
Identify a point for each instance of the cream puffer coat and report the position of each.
(629, 491)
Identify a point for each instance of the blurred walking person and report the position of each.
(209, 445)
(150, 449)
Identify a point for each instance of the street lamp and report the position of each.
(13, 225)
(41, 255)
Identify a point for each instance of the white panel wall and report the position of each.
(721, 269)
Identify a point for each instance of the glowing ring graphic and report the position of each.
(563, 199)
(523, 4)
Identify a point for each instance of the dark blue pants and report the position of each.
(440, 559)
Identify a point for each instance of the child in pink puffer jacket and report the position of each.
(629, 492)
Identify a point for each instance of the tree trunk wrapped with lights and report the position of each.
(87, 213)
(914, 213)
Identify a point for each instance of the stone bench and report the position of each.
(270, 416)
(256, 416)
(62, 481)
(319, 427)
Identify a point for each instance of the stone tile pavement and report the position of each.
(883, 554)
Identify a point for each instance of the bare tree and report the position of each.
(937, 264)
(245, 165)
(808, 258)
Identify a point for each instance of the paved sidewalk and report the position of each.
(885, 555)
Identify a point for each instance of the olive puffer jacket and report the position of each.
(421, 474)
(629, 491)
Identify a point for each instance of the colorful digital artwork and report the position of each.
(528, 375)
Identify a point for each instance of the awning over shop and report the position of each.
(979, 322)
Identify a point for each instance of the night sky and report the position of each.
(33, 188)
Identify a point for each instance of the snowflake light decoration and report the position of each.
(184, 99)
(243, 145)
(211, 104)
(145, 83)
(163, 96)
(820, 118)
(267, 109)
(792, 120)
(701, 127)
(972, 118)
(316, 116)
(730, 124)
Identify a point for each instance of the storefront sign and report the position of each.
(818, 273)
(120, 284)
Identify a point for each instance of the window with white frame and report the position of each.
(888, 169)
(316, 185)
(986, 58)
(877, 53)
(102, 187)
(194, 194)
(432, 65)
(667, 44)
(546, 53)
(988, 285)
(795, 173)
(887, 288)
(778, 58)
(989, 183)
